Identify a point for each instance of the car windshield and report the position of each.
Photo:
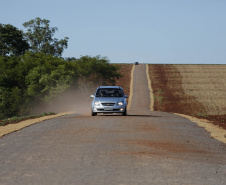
(109, 92)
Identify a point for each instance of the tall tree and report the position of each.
(40, 37)
(12, 40)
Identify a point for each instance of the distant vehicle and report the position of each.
(136, 63)
(109, 99)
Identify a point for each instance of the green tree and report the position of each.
(32, 79)
(11, 86)
(40, 37)
(12, 40)
(97, 71)
(36, 78)
(49, 77)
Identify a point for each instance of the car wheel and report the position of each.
(124, 113)
(94, 114)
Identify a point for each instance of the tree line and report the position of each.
(33, 72)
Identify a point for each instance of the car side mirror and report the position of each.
(92, 96)
(126, 96)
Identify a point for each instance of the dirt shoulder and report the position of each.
(18, 126)
(214, 130)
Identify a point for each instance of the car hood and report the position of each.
(108, 99)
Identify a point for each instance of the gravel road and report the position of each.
(142, 148)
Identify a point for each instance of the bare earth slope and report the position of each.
(196, 90)
(141, 148)
(207, 83)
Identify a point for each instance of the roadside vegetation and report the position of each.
(23, 118)
(195, 90)
(32, 71)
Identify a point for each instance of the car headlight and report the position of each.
(120, 103)
(96, 103)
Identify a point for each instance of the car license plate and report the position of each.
(108, 108)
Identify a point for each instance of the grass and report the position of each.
(202, 115)
(14, 120)
(158, 97)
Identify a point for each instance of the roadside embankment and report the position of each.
(18, 126)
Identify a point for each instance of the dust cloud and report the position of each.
(78, 101)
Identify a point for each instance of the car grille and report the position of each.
(108, 104)
(108, 110)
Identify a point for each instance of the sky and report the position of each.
(127, 31)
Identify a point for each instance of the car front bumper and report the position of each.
(108, 109)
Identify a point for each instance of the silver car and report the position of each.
(109, 99)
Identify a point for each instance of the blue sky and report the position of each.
(125, 31)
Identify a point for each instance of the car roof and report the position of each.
(111, 87)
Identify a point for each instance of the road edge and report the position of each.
(150, 89)
(214, 130)
(18, 126)
(131, 89)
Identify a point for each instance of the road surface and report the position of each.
(142, 148)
